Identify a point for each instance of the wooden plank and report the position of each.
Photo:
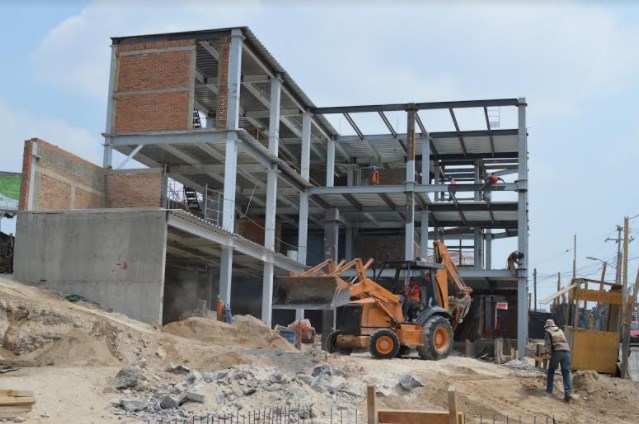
(452, 404)
(470, 349)
(594, 350)
(16, 401)
(13, 411)
(499, 350)
(397, 416)
(16, 393)
(610, 297)
(370, 405)
(557, 294)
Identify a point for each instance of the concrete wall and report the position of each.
(115, 259)
(183, 288)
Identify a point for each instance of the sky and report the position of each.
(575, 62)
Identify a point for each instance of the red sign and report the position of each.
(502, 305)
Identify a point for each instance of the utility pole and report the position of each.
(618, 241)
(535, 287)
(624, 307)
(574, 258)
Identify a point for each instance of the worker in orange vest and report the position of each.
(374, 175)
(490, 180)
(413, 299)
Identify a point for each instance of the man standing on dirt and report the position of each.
(558, 351)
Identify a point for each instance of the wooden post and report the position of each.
(370, 405)
(452, 405)
(470, 349)
(537, 355)
(498, 345)
(512, 353)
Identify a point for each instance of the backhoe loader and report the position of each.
(369, 316)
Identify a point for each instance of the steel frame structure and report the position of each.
(277, 143)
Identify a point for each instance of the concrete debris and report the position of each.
(180, 369)
(128, 377)
(191, 397)
(322, 369)
(304, 378)
(132, 405)
(193, 377)
(409, 382)
(167, 402)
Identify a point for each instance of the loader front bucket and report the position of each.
(311, 293)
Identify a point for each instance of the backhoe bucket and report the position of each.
(311, 293)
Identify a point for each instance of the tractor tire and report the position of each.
(331, 345)
(438, 339)
(384, 344)
(403, 351)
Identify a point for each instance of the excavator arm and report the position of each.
(459, 306)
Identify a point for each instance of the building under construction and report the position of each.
(247, 179)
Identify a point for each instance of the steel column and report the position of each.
(330, 163)
(302, 231)
(230, 169)
(489, 249)
(267, 293)
(234, 79)
(108, 148)
(331, 234)
(409, 228)
(348, 244)
(522, 231)
(271, 198)
(226, 274)
(425, 180)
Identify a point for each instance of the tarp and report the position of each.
(9, 191)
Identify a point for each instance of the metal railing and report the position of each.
(306, 415)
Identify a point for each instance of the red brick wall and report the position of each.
(65, 181)
(253, 230)
(61, 179)
(153, 86)
(134, 188)
(26, 174)
(223, 86)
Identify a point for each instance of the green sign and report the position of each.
(9, 191)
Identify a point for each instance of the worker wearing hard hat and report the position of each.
(558, 351)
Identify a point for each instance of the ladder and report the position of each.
(192, 200)
(197, 123)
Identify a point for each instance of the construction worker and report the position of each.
(374, 175)
(412, 301)
(489, 181)
(514, 258)
(558, 353)
(452, 188)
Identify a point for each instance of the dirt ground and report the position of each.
(69, 353)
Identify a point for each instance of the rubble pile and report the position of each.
(234, 391)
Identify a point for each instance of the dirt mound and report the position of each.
(246, 331)
(78, 348)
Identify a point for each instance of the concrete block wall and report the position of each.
(54, 179)
(154, 86)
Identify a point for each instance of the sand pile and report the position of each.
(246, 331)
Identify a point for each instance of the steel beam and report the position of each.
(409, 229)
(130, 156)
(461, 137)
(490, 134)
(230, 176)
(419, 106)
(204, 135)
(403, 188)
(433, 135)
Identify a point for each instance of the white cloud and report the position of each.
(75, 55)
(17, 126)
